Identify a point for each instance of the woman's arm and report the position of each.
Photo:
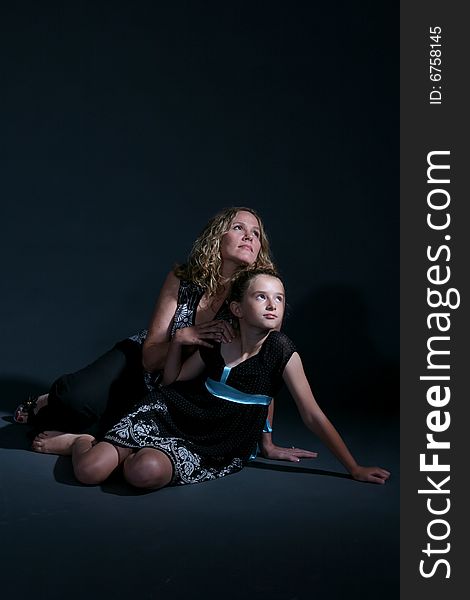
(316, 421)
(156, 345)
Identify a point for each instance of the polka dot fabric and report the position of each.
(207, 437)
(260, 374)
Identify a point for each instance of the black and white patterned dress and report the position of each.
(206, 436)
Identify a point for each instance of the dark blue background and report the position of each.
(125, 126)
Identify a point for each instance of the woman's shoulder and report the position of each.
(187, 288)
(183, 275)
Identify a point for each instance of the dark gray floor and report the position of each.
(274, 531)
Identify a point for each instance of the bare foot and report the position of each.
(57, 442)
(21, 416)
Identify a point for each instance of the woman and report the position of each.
(176, 437)
(192, 300)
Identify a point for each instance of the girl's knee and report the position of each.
(89, 473)
(95, 466)
(148, 469)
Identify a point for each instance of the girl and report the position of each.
(173, 437)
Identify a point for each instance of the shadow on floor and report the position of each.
(274, 466)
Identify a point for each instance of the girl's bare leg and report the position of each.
(148, 469)
(92, 464)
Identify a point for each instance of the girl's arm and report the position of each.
(177, 370)
(316, 421)
(268, 449)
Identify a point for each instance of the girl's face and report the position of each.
(263, 303)
(241, 244)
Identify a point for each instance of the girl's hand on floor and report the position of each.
(292, 454)
(370, 474)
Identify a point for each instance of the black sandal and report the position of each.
(27, 407)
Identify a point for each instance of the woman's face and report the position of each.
(242, 242)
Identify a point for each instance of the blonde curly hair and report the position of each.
(204, 265)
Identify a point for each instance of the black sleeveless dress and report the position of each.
(207, 436)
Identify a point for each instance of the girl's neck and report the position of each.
(251, 340)
(248, 344)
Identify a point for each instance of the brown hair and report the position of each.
(242, 281)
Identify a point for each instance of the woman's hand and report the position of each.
(202, 334)
(292, 454)
(370, 474)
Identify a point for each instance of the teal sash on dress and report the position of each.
(227, 392)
